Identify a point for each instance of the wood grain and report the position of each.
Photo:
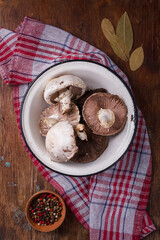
(83, 19)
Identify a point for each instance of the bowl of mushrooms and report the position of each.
(78, 118)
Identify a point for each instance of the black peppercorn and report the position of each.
(45, 209)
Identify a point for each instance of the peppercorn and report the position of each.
(45, 209)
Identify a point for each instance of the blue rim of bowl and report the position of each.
(135, 116)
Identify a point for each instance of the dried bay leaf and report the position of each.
(136, 59)
(124, 30)
(117, 44)
(119, 47)
(107, 28)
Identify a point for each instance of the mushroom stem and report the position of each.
(106, 117)
(65, 100)
(50, 121)
(81, 132)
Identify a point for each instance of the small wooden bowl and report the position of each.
(50, 227)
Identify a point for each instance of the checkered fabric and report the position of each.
(111, 204)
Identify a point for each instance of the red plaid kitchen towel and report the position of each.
(111, 204)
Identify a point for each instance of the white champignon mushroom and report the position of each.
(53, 114)
(63, 89)
(60, 142)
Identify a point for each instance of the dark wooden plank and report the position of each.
(81, 18)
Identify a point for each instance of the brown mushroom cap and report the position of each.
(55, 112)
(80, 101)
(99, 101)
(92, 149)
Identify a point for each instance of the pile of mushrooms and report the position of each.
(78, 121)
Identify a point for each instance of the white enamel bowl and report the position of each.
(95, 76)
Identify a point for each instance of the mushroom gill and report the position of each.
(80, 101)
(104, 122)
(54, 114)
(90, 150)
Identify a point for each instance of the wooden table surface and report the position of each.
(82, 18)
